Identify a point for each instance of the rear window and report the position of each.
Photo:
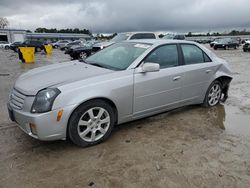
(143, 36)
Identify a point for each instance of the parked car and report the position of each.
(60, 43)
(5, 45)
(84, 100)
(74, 43)
(246, 46)
(215, 41)
(125, 36)
(68, 45)
(226, 43)
(174, 37)
(244, 40)
(38, 45)
(81, 51)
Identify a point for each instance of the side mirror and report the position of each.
(150, 67)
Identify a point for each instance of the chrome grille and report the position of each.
(17, 99)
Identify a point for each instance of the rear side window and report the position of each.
(143, 36)
(166, 56)
(193, 54)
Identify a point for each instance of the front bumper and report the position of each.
(47, 126)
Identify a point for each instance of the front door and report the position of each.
(158, 91)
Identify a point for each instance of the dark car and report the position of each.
(69, 45)
(38, 45)
(226, 43)
(81, 51)
(246, 47)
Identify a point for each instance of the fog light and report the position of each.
(33, 128)
(59, 115)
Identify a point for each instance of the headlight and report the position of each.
(101, 47)
(44, 100)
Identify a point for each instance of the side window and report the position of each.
(193, 55)
(166, 56)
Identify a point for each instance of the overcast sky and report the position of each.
(108, 16)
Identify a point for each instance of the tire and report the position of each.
(213, 94)
(226, 48)
(38, 49)
(83, 55)
(244, 50)
(215, 48)
(84, 121)
(56, 46)
(7, 47)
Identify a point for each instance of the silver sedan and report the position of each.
(83, 100)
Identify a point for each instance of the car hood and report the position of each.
(103, 44)
(56, 75)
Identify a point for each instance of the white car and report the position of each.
(5, 45)
(124, 36)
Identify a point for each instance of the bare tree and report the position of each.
(3, 23)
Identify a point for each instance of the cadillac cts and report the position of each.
(83, 100)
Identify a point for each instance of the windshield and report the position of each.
(120, 37)
(118, 56)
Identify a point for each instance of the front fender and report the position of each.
(118, 89)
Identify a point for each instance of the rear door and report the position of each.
(199, 69)
(156, 91)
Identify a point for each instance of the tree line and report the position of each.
(68, 30)
(231, 33)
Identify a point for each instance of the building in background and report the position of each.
(12, 35)
(19, 35)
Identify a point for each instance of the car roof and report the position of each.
(159, 41)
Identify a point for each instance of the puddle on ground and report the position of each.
(231, 119)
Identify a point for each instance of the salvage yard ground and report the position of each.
(188, 147)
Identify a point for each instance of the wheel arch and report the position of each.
(107, 100)
(225, 81)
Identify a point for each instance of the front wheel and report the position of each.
(83, 55)
(213, 94)
(91, 123)
(7, 47)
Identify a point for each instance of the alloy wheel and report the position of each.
(214, 95)
(93, 124)
(83, 55)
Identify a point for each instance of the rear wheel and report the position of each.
(213, 94)
(7, 47)
(91, 123)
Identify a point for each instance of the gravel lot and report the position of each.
(187, 147)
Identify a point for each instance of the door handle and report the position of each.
(208, 71)
(176, 78)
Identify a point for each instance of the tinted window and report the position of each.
(193, 55)
(143, 36)
(165, 56)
